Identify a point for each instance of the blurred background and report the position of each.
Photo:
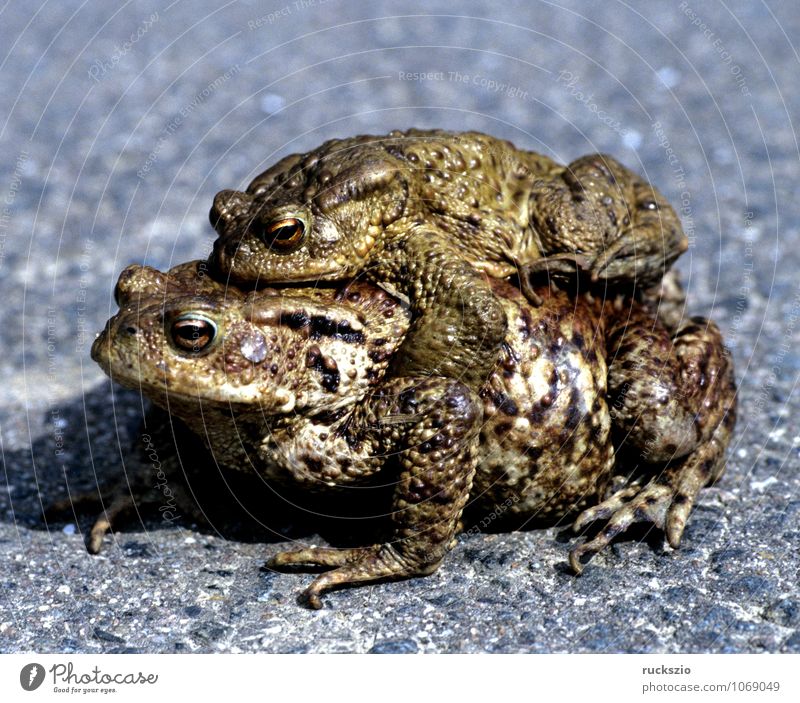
(119, 123)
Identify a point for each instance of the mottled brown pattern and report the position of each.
(576, 378)
(427, 212)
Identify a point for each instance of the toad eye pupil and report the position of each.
(193, 335)
(189, 331)
(284, 234)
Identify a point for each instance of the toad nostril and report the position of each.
(131, 330)
(216, 215)
(227, 204)
(216, 221)
(122, 291)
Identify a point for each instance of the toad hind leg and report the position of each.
(667, 393)
(681, 416)
(601, 210)
(665, 502)
(430, 426)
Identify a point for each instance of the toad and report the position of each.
(429, 214)
(292, 384)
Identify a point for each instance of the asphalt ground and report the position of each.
(120, 123)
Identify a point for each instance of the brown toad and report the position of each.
(292, 384)
(427, 213)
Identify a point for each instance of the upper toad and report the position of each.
(427, 213)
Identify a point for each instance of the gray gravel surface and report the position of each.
(118, 125)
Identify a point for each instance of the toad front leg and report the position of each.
(155, 483)
(429, 427)
(674, 401)
(459, 324)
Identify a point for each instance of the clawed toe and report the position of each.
(349, 566)
(311, 597)
(567, 263)
(120, 505)
(607, 256)
(653, 504)
(604, 510)
(313, 556)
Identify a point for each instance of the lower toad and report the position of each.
(292, 384)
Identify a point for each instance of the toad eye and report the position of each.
(193, 333)
(285, 234)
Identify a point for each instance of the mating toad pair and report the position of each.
(467, 379)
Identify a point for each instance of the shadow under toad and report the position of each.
(93, 450)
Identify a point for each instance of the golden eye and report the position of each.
(193, 334)
(284, 234)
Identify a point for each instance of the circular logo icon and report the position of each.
(31, 676)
